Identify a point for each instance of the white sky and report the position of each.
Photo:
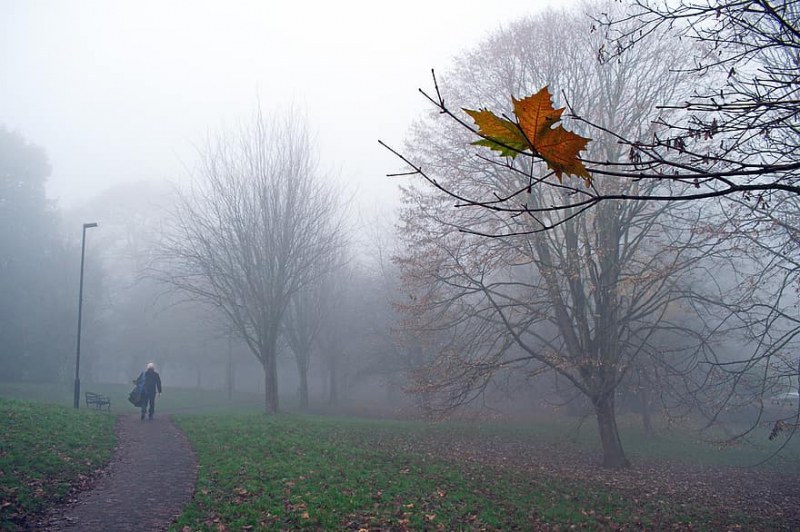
(119, 91)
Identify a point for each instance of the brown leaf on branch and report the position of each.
(534, 132)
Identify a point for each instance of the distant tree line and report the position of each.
(36, 303)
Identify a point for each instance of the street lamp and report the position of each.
(80, 305)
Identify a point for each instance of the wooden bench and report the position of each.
(97, 400)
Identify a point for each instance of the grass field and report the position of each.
(293, 472)
(299, 471)
(45, 451)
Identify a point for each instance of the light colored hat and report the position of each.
(150, 365)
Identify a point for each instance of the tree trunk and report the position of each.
(644, 406)
(271, 385)
(303, 389)
(229, 372)
(302, 358)
(333, 397)
(613, 455)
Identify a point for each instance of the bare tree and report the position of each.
(251, 231)
(583, 299)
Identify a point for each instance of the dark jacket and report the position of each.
(152, 382)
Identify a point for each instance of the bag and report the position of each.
(135, 397)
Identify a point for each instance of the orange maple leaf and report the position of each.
(560, 148)
(533, 131)
(536, 115)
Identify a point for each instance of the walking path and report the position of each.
(150, 479)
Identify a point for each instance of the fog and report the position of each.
(120, 96)
(124, 91)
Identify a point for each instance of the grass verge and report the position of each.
(45, 451)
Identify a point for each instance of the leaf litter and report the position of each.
(664, 493)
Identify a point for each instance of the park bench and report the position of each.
(97, 400)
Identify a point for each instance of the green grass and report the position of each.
(671, 443)
(291, 472)
(44, 451)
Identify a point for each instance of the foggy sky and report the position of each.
(120, 91)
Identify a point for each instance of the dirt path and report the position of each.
(151, 477)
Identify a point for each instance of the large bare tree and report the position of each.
(252, 229)
(732, 140)
(583, 299)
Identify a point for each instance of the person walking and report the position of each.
(152, 383)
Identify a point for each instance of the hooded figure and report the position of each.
(152, 383)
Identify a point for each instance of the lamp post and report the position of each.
(80, 306)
